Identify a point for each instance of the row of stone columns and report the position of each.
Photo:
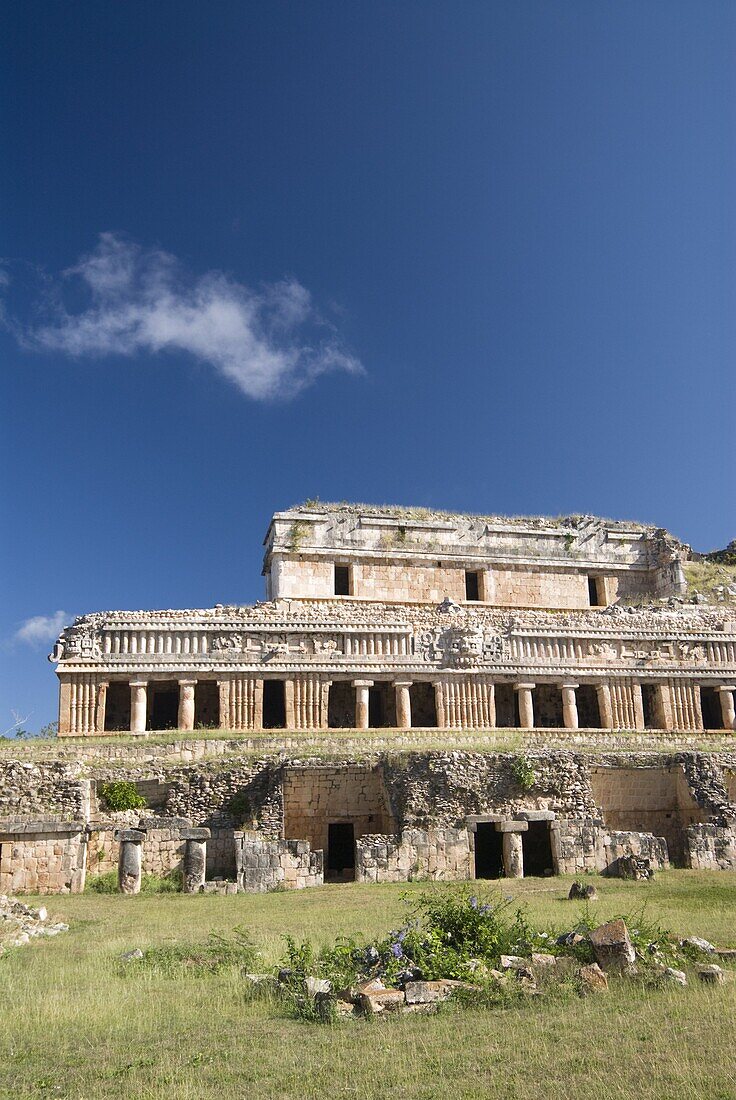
(524, 691)
(130, 859)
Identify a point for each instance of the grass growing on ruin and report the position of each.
(712, 579)
(79, 1023)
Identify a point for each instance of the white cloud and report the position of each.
(40, 629)
(269, 343)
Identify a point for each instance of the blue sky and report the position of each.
(467, 255)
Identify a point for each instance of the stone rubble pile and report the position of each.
(20, 923)
(613, 952)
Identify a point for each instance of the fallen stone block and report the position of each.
(677, 977)
(710, 974)
(695, 943)
(612, 947)
(592, 979)
(385, 1000)
(582, 892)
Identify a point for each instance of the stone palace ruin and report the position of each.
(379, 620)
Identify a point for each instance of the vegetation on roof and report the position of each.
(426, 515)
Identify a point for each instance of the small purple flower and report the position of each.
(402, 935)
(396, 950)
(485, 909)
(474, 902)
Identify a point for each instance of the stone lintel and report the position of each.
(163, 822)
(130, 836)
(195, 833)
(39, 827)
(535, 815)
(509, 826)
(482, 819)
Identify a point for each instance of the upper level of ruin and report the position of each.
(413, 555)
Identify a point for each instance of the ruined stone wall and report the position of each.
(437, 854)
(654, 800)
(264, 864)
(35, 859)
(49, 789)
(315, 797)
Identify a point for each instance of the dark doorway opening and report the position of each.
(340, 852)
(548, 706)
(274, 705)
(163, 705)
(595, 593)
(117, 707)
(650, 706)
(589, 713)
(341, 706)
(342, 580)
(507, 711)
(488, 851)
(710, 706)
(472, 585)
(381, 706)
(206, 704)
(423, 705)
(536, 846)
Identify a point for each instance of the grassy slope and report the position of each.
(75, 1026)
(706, 576)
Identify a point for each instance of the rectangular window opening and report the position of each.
(472, 585)
(342, 580)
(596, 592)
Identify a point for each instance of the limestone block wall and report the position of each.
(654, 800)
(523, 588)
(711, 847)
(653, 848)
(264, 864)
(584, 844)
(314, 797)
(438, 854)
(42, 858)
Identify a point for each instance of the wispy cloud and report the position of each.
(40, 629)
(270, 343)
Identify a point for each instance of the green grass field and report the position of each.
(78, 1023)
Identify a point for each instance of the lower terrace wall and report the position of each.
(410, 811)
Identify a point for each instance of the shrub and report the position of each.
(120, 794)
(523, 773)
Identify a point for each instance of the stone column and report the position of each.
(129, 861)
(513, 855)
(195, 859)
(289, 704)
(361, 703)
(603, 691)
(138, 705)
(101, 704)
(439, 703)
(185, 720)
(223, 689)
(638, 705)
(526, 705)
(569, 706)
(403, 704)
(728, 712)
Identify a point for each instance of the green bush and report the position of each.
(120, 794)
(523, 773)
